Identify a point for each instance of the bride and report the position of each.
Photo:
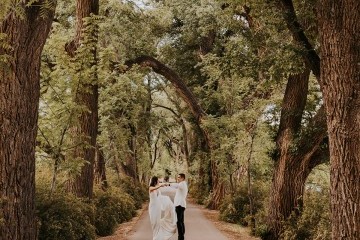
(162, 212)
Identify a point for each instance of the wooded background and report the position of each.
(256, 101)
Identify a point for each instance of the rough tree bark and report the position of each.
(19, 102)
(339, 24)
(100, 169)
(295, 156)
(85, 132)
(293, 167)
(130, 166)
(287, 190)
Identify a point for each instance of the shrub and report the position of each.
(236, 208)
(200, 193)
(233, 209)
(112, 207)
(314, 222)
(63, 216)
(137, 191)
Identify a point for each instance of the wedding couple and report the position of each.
(165, 215)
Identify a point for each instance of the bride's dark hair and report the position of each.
(153, 181)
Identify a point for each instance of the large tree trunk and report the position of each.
(288, 188)
(100, 169)
(292, 168)
(252, 132)
(19, 102)
(340, 79)
(85, 130)
(130, 166)
(284, 199)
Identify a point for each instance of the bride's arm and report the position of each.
(156, 187)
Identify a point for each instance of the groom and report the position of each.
(180, 204)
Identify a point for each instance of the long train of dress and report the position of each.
(162, 216)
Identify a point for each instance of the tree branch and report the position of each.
(179, 84)
(155, 150)
(322, 154)
(293, 106)
(167, 108)
(315, 133)
(310, 56)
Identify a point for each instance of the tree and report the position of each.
(339, 26)
(24, 30)
(299, 148)
(333, 73)
(298, 151)
(100, 169)
(85, 129)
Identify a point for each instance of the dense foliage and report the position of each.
(64, 216)
(112, 208)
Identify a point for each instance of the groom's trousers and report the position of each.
(180, 221)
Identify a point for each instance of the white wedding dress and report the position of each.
(162, 216)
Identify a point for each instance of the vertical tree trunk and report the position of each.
(19, 102)
(149, 134)
(100, 170)
(185, 142)
(288, 188)
(85, 132)
(285, 189)
(130, 167)
(340, 79)
(292, 168)
(252, 132)
(201, 148)
(82, 184)
(216, 185)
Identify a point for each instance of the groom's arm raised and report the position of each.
(178, 185)
(174, 185)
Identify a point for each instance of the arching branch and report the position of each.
(315, 132)
(310, 56)
(179, 84)
(177, 115)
